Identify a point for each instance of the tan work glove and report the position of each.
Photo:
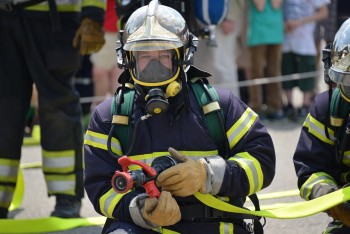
(89, 36)
(163, 211)
(341, 212)
(185, 178)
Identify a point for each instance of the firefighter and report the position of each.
(321, 158)
(166, 120)
(41, 42)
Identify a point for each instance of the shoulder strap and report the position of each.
(339, 109)
(121, 110)
(208, 99)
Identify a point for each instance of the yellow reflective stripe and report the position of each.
(317, 129)
(6, 194)
(316, 178)
(9, 170)
(99, 140)
(226, 228)
(64, 184)
(94, 3)
(252, 168)
(241, 127)
(58, 161)
(60, 8)
(108, 202)
(166, 231)
(346, 158)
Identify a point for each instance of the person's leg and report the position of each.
(289, 66)
(15, 93)
(258, 61)
(59, 112)
(307, 86)
(274, 90)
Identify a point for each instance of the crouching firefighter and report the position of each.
(322, 156)
(165, 106)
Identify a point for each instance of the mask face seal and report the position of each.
(155, 74)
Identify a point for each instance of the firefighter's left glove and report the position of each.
(89, 37)
(185, 178)
(163, 211)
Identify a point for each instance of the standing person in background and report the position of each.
(265, 37)
(40, 43)
(299, 50)
(220, 61)
(105, 71)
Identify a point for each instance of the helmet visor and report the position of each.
(339, 76)
(155, 68)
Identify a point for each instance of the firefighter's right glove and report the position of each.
(185, 178)
(163, 211)
(89, 37)
(340, 212)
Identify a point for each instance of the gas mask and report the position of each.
(155, 74)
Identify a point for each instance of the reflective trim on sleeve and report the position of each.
(59, 162)
(6, 194)
(317, 129)
(241, 127)
(62, 184)
(8, 170)
(316, 178)
(226, 228)
(252, 168)
(99, 140)
(109, 201)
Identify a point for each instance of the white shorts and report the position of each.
(107, 56)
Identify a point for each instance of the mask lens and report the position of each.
(154, 67)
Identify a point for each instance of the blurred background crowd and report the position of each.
(263, 50)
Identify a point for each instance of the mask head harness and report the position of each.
(156, 47)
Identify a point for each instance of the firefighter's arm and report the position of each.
(89, 37)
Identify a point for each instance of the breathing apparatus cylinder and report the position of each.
(126, 180)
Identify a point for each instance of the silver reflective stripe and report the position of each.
(241, 127)
(226, 228)
(61, 186)
(8, 173)
(99, 140)
(252, 170)
(59, 162)
(317, 129)
(307, 187)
